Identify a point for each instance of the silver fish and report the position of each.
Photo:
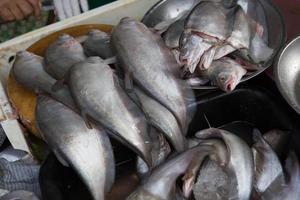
(96, 90)
(291, 188)
(151, 65)
(98, 44)
(267, 166)
(220, 154)
(162, 119)
(88, 151)
(214, 182)
(208, 24)
(28, 70)
(240, 161)
(173, 34)
(224, 73)
(62, 54)
(278, 140)
(160, 151)
(239, 39)
(161, 183)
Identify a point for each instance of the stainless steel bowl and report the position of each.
(287, 73)
(268, 16)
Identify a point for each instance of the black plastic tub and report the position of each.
(261, 107)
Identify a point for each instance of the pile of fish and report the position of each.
(221, 165)
(216, 43)
(86, 96)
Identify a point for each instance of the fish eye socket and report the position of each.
(222, 78)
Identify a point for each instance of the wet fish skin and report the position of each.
(28, 70)
(209, 21)
(96, 90)
(160, 151)
(241, 159)
(193, 47)
(278, 140)
(209, 18)
(267, 166)
(162, 119)
(291, 188)
(220, 154)
(173, 34)
(136, 46)
(62, 54)
(98, 44)
(240, 38)
(214, 182)
(88, 151)
(161, 183)
(224, 73)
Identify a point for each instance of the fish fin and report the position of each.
(85, 118)
(111, 60)
(58, 85)
(128, 81)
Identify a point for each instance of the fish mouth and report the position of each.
(230, 85)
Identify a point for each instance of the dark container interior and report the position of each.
(256, 103)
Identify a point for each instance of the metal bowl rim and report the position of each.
(277, 74)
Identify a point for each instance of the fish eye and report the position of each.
(222, 78)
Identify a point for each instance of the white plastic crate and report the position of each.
(107, 14)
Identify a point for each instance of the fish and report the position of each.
(208, 24)
(267, 166)
(220, 155)
(239, 38)
(99, 96)
(259, 51)
(160, 151)
(28, 70)
(291, 188)
(214, 182)
(224, 73)
(98, 44)
(240, 159)
(173, 34)
(88, 151)
(278, 140)
(62, 54)
(161, 118)
(161, 183)
(152, 66)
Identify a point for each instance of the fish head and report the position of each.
(227, 75)
(226, 81)
(66, 41)
(94, 60)
(24, 55)
(127, 20)
(95, 33)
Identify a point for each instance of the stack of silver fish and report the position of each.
(216, 43)
(86, 96)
